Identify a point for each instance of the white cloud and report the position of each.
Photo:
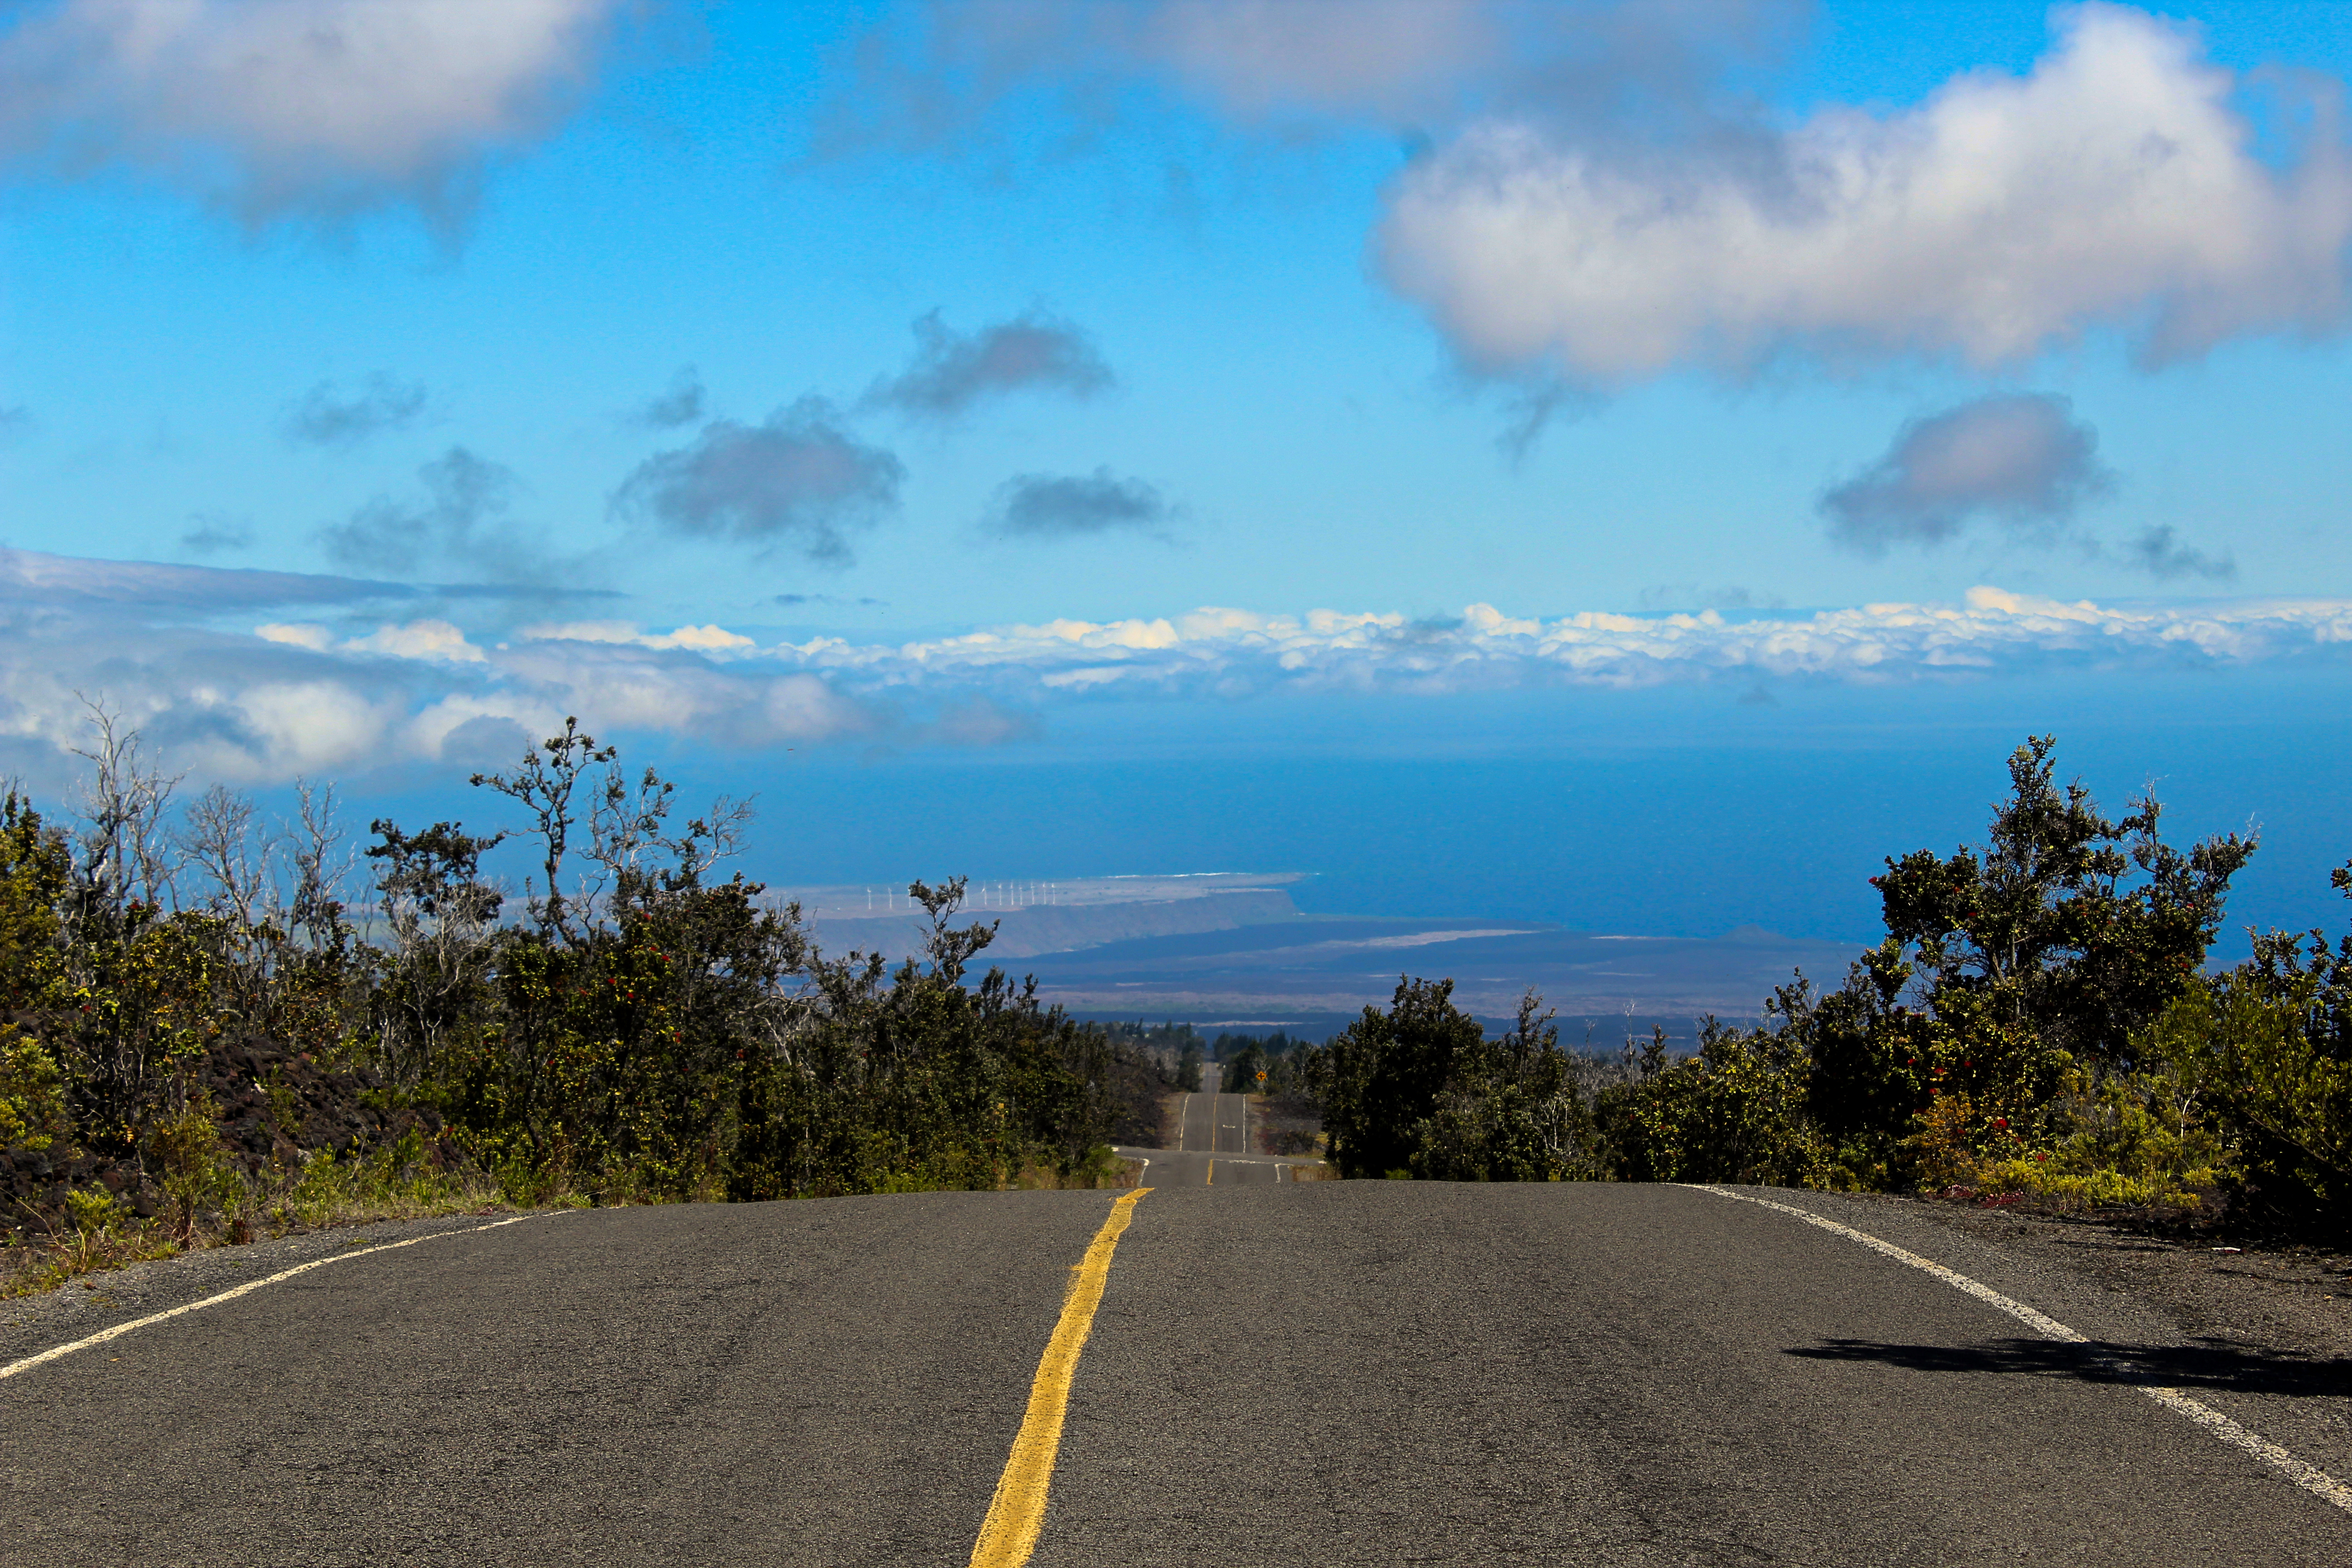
(702, 639)
(297, 727)
(271, 107)
(292, 697)
(317, 638)
(428, 732)
(417, 639)
(2117, 184)
(428, 639)
(1229, 649)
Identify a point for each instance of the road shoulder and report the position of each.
(93, 1303)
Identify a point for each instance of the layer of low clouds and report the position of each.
(327, 417)
(2118, 184)
(296, 696)
(952, 370)
(258, 675)
(1051, 506)
(460, 520)
(1230, 652)
(313, 108)
(798, 481)
(74, 581)
(680, 404)
(2022, 459)
(334, 675)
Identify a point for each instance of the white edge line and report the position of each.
(2310, 1478)
(30, 1361)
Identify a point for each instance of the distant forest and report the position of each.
(215, 1026)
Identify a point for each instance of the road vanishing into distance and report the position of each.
(1326, 1373)
(1215, 1144)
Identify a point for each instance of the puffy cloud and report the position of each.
(2116, 184)
(297, 634)
(209, 533)
(681, 405)
(951, 371)
(417, 639)
(797, 479)
(2158, 551)
(2022, 458)
(459, 521)
(326, 419)
(1042, 506)
(274, 107)
(621, 687)
(286, 728)
(293, 697)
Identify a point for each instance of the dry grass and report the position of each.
(96, 1233)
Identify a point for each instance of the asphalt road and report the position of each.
(1216, 1146)
(1328, 1372)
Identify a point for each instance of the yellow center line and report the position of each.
(1213, 1176)
(1017, 1513)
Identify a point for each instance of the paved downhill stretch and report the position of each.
(1331, 1372)
(1216, 1146)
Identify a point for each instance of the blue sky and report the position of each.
(1629, 464)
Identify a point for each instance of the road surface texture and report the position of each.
(1216, 1144)
(1335, 1373)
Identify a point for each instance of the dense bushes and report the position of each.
(194, 1024)
(174, 999)
(1420, 1090)
(2038, 1021)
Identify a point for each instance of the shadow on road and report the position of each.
(2208, 1363)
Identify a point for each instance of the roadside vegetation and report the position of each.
(212, 1028)
(2039, 1026)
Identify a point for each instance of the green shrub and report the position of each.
(33, 1111)
(1735, 1112)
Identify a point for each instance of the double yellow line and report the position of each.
(1018, 1510)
